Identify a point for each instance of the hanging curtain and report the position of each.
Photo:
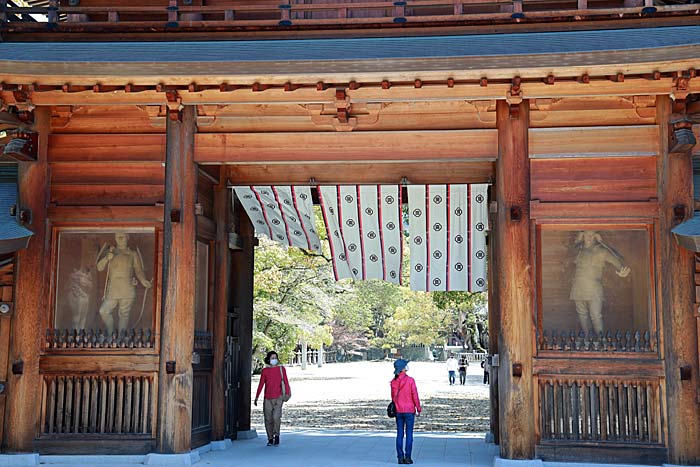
(364, 229)
(283, 213)
(447, 227)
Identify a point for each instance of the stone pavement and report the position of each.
(317, 448)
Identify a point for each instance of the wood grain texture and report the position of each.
(344, 146)
(599, 179)
(115, 195)
(106, 213)
(604, 141)
(23, 395)
(177, 328)
(222, 212)
(367, 173)
(515, 285)
(677, 295)
(97, 364)
(593, 210)
(107, 148)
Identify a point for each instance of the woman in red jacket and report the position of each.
(405, 395)
(274, 378)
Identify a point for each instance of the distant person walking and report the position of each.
(277, 392)
(452, 366)
(463, 364)
(485, 365)
(405, 396)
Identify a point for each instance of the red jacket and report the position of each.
(271, 378)
(405, 394)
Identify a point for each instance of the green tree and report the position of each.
(467, 315)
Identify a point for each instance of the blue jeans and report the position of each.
(452, 377)
(404, 421)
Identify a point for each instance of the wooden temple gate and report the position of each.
(138, 162)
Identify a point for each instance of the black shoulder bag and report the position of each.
(391, 408)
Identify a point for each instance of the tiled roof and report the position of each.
(355, 48)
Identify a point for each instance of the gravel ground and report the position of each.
(354, 396)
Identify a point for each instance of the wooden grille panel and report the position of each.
(108, 404)
(201, 409)
(612, 411)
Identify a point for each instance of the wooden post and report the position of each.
(676, 289)
(29, 320)
(494, 319)
(177, 328)
(515, 284)
(242, 298)
(222, 212)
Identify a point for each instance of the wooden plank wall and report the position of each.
(110, 156)
(6, 296)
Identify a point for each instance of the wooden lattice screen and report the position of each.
(615, 411)
(107, 404)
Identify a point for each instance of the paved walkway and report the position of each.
(323, 448)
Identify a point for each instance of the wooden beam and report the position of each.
(150, 214)
(222, 214)
(635, 140)
(588, 210)
(569, 85)
(177, 322)
(370, 146)
(677, 295)
(515, 285)
(363, 173)
(31, 311)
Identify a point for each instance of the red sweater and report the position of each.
(271, 378)
(405, 394)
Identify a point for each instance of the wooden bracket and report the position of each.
(514, 97)
(681, 84)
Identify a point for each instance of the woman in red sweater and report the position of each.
(274, 378)
(405, 395)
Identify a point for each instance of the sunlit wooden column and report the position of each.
(242, 262)
(515, 284)
(222, 210)
(177, 319)
(677, 291)
(30, 313)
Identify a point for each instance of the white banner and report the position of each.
(447, 228)
(283, 213)
(363, 224)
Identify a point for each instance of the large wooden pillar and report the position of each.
(177, 318)
(515, 284)
(29, 320)
(222, 210)
(676, 290)
(242, 289)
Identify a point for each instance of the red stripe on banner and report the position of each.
(328, 231)
(449, 237)
(400, 226)
(301, 218)
(264, 213)
(340, 226)
(427, 238)
(469, 237)
(284, 219)
(381, 229)
(362, 235)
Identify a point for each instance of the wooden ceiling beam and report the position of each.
(324, 147)
(362, 93)
(361, 173)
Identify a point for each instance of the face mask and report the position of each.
(273, 361)
(406, 368)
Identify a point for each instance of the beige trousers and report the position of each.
(272, 410)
